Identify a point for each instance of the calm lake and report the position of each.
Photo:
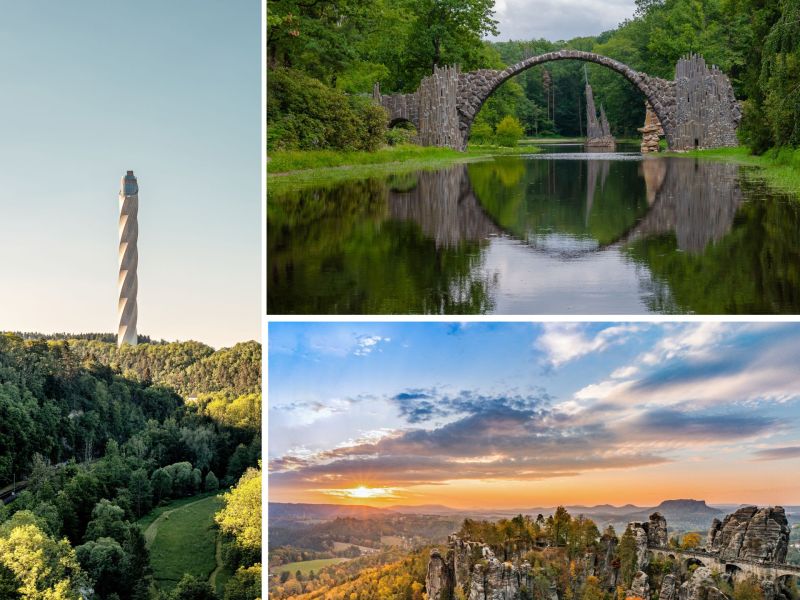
(559, 232)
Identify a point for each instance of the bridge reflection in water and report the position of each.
(697, 201)
(547, 233)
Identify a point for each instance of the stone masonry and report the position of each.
(696, 110)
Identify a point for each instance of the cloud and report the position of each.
(559, 19)
(495, 438)
(689, 340)
(366, 344)
(711, 365)
(418, 406)
(564, 342)
(625, 372)
(711, 389)
(306, 413)
(681, 425)
(782, 453)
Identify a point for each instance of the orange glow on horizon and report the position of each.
(724, 481)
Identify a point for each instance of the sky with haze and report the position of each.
(558, 19)
(505, 415)
(171, 90)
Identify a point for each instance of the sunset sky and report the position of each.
(478, 415)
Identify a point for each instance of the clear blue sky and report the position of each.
(531, 414)
(171, 90)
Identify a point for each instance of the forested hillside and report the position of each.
(95, 438)
(323, 58)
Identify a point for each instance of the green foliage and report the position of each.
(401, 134)
(241, 516)
(481, 132)
(141, 492)
(191, 587)
(45, 569)
(305, 114)
(211, 483)
(108, 520)
(241, 412)
(509, 131)
(626, 552)
(103, 560)
(245, 584)
(161, 483)
(190, 368)
(447, 32)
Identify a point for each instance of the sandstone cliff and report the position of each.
(751, 533)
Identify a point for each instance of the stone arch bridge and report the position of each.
(736, 567)
(697, 109)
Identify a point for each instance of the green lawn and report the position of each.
(307, 565)
(290, 170)
(148, 519)
(181, 537)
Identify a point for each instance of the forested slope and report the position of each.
(97, 446)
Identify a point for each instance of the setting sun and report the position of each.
(363, 492)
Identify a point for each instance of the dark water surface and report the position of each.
(554, 233)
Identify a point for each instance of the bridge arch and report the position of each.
(692, 561)
(479, 85)
(698, 109)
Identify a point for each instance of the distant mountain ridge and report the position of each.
(674, 510)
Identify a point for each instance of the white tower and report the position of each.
(128, 259)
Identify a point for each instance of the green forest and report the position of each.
(93, 438)
(324, 57)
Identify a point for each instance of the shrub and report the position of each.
(509, 131)
(212, 483)
(400, 135)
(305, 114)
(481, 133)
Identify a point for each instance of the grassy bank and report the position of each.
(778, 168)
(182, 539)
(290, 170)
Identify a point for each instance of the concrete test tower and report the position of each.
(128, 259)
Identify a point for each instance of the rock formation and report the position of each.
(701, 586)
(657, 530)
(669, 588)
(751, 533)
(652, 131)
(640, 588)
(598, 133)
(652, 532)
(604, 566)
(438, 580)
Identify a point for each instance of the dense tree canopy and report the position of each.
(94, 443)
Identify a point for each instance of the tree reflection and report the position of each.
(363, 248)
